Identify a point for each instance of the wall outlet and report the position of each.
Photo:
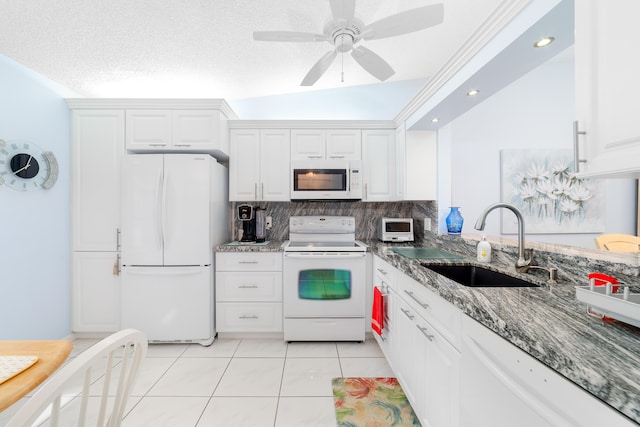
(268, 223)
(426, 224)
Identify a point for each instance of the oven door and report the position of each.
(324, 284)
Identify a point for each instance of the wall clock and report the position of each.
(25, 167)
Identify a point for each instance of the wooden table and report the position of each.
(51, 354)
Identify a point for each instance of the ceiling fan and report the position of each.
(344, 31)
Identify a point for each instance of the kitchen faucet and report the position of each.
(522, 264)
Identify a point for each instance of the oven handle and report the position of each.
(325, 255)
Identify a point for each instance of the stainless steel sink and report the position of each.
(478, 277)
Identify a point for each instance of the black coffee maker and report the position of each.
(246, 215)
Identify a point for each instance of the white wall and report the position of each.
(34, 226)
(535, 112)
(380, 101)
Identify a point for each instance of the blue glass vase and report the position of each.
(454, 221)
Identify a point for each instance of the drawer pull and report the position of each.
(382, 271)
(425, 332)
(248, 286)
(408, 314)
(253, 316)
(182, 145)
(413, 297)
(247, 262)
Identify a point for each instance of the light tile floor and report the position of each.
(248, 382)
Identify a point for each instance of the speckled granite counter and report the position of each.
(548, 322)
(270, 246)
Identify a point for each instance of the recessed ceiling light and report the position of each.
(473, 92)
(435, 120)
(544, 42)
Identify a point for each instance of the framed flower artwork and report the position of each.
(552, 199)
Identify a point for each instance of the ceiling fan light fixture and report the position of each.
(543, 42)
(473, 92)
(435, 120)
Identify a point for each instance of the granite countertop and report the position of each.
(547, 322)
(269, 246)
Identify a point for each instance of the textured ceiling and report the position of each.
(204, 48)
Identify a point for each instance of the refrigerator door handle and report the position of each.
(159, 206)
(163, 211)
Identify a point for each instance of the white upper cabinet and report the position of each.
(97, 150)
(177, 130)
(378, 165)
(259, 165)
(607, 91)
(416, 164)
(320, 144)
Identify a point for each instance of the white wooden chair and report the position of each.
(92, 389)
(618, 242)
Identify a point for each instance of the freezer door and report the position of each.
(169, 303)
(142, 191)
(186, 207)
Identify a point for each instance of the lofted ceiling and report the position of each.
(204, 48)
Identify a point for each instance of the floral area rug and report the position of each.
(372, 402)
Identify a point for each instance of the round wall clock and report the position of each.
(24, 166)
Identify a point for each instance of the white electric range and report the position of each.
(324, 280)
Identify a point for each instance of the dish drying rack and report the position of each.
(621, 305)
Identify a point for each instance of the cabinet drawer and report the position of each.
(249, 286)
(248, 317)
(444, 316)
(248, 261)
(384, 273)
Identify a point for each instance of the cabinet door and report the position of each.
(95, 292)
(274, 165)
(409, 353)
(606, 88)
(149, 130)
(378, 165)
(440, 405)
(196, 130)
(244, 164)
(344, 144)
(308, 144)
(98, 147)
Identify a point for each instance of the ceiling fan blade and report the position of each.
(319, 68)
(405, 22)
(288, 36)
(343, 10)
(372, 63)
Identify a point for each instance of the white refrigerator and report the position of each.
(175, 211)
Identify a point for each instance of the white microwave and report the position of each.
(326, 180)
(395, 230)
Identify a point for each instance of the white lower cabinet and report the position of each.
(248, 292)
(418, 341)
(95, 292)
(502, 386)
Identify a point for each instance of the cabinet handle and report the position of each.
(336, 157)
(253, 316)
(255, 191)
(576, 146)
(248, 286)
(118, 239)
(366, 190)
(408, 314)
(382, 271)
(247, 262)
(315, 157)
(157, 145)
(413, 297)
(182, 145)
(425, 332)
(262, 191)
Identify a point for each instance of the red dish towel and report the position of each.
(377, 312)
